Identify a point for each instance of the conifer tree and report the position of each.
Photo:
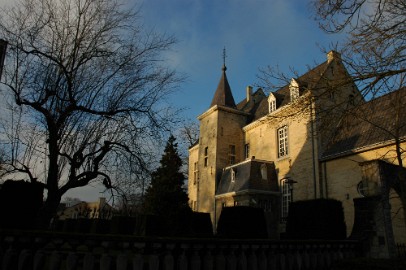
(165, 195)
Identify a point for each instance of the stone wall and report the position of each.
(68, 251)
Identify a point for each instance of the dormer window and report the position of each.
(272, 103)
(294, 90)
(233, 173)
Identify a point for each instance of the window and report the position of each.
(247, 150)
(286, 199)
(233, 174)
(231, 154)
(294, 90)
(195, 173)
(282, 134)
(206, 158)
(272, 106)
(367, 188)
(272, 103)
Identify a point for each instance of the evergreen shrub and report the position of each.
(242, 222)
(201, 224)
(316, 219)
(20, 202)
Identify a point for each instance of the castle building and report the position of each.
(293, 144)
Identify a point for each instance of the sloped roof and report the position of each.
(255, 104)
(223, 95)
(248, 177)
(309, 80)
(379, 120)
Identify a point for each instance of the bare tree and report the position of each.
(375, 46)
(85, 82)
(189, 133)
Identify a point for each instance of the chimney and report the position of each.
(249, 92)
(331, 55)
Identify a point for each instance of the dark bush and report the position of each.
(20, 202)
(242, 222)
(122, 225)
(100, 226)
(148, 225)
(183, 224)
(316, 219)
(201, 225)
(69, 225)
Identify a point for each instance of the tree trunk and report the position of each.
(48, 210)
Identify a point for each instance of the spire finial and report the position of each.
(224, 59)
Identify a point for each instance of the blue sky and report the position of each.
(255, 33)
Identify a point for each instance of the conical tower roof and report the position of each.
(223, 95)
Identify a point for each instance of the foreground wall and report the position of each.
(68, 251)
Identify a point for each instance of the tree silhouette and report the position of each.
(85, 81)
(374, 45)
(165, 196)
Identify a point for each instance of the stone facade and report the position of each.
(291, 128)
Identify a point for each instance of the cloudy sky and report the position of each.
(255, 33)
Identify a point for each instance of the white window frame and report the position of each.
(232, 174)
(294, 90)
(283, 141)
(272, 103)
(286, 191)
